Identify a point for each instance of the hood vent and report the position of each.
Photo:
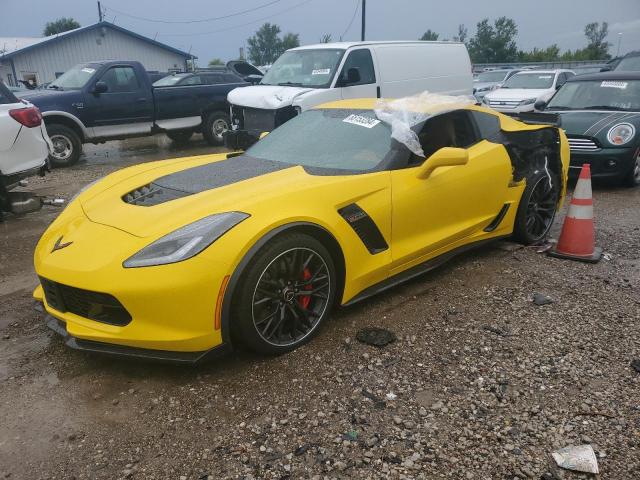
(152, 194)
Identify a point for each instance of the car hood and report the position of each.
(593, 123)
(265, 96)
(516, 93)
(151, 201)
(44, 98)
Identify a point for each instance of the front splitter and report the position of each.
(164, 356)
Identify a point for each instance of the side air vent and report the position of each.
(364, 227)
(498, 219)
(152, 194)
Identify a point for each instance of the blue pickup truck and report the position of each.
(113, 100)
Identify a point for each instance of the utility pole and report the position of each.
(364, 7)
(100, 16)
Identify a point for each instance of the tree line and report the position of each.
(497, 44)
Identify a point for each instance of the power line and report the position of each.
(352, 19)
(145, 19)
(236, 26)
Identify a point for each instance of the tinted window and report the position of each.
(453, 129)
(121, 79)
(193, 80)
(362, 61)
(488, 125)
(341, 139)
(6, 96)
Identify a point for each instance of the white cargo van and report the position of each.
(307, 76)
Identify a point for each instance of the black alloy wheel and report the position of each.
(286, 294)
(537, 208)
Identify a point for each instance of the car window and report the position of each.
(6, 96)
(562, 77)
(120, 80)
(530, 80)
(192, 80)
(629, 64)
(453, 129)
(598, 94)
(231, 78)
(362, 61)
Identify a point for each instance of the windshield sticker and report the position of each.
(88, 70)
(545, 77)
(620, 85)
(361, 121)
(321, 71)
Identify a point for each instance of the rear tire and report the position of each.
(284, 295)
(214, 126)
(537, 208)
(180, 137)
(67, 145)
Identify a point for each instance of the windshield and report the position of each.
(73, 79)
(530, 80)
(491, 77)
(603, 94)
(343, 139)
(304, 68)
(629, 64)
(168, 81)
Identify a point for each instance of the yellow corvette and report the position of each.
(178, 259)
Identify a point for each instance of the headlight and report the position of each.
(621, 133)
(528, 101)
(187, 241)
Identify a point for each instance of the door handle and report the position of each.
(141, 100)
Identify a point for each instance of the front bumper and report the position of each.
(606, 163)
(172, 307)
(166, 356)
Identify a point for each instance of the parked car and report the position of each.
(629, 63)
(112, 100)
(256, 248)
(199, 78)
(490, 80)
(24, 145)
(307, 76)
(524, 89)
(600, 113)
(248, 72)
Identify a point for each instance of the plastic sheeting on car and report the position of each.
(405, 113)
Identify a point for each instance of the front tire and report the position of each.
(67, 145)
(537, 208)
(214, 126)
(633, 177)
(285, 294)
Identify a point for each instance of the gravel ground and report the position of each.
(481, 382)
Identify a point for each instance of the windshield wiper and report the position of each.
(602, 107)
(290, 84)
(558, 107)
(54, 87)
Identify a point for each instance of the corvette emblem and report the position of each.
(59, 245)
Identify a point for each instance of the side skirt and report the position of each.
(419, 270)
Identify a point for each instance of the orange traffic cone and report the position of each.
(577, 239)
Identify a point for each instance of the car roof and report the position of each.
(345, 45)
(614, 75)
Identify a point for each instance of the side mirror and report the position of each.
(606, 68)
(445, 157)
(263, 134)
(352, 77)
(253, 79)
(540, 105)
(100, 87)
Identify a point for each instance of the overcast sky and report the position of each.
(540, 22)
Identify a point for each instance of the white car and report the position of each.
(520, 92)
(24, 143)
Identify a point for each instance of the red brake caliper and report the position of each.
(305, 300)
